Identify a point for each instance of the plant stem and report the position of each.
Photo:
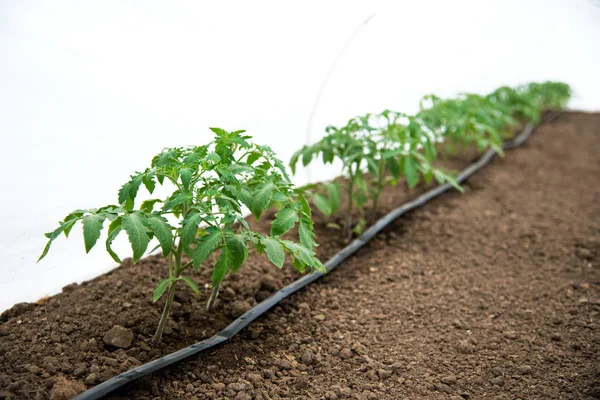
(165, 315)
(347, 233)
(213, 297)
(170, 295)
(380, 173)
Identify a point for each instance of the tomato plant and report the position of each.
(378, 149)
(204, 215)
(375, 150)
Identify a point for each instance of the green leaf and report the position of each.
(305, 207)
(359, 181)
(442, 177)
(206, 245)
(303, 254)
(162, 231)
(252, 157)
(305, 231)
(111, 237)
(372, 165)
(190, 283)
(148, 205)
(294, 160)
(129, 190)
(410, 171)
(115, 224)
(219, 131)
(322, 204)
(237, 245)
(274, 251)
(260, 199)
(186, 177)
(333, 189)
(76, 216)
(284, 221)
(56, 233)
(124, 193)
(393, 166)
(307, 156)
(92, 225)
(148, 181)
(135, 226)
(177, 199)
(232, 256)
(160, 289)
(279, 165)
(189, 229)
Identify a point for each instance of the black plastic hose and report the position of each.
(237, 325)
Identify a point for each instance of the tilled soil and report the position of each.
(491, 294)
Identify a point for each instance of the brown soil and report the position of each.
(490, 294)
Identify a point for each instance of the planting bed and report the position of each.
(490, 294)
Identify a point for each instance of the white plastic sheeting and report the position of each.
(90, 91)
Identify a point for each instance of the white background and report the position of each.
(90, 91)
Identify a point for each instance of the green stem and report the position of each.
(347, 233)
(380, 172)
(170, 295)
(165, 315)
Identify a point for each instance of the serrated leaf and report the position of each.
(148, 181)
(252, 157)
(333, 190)
(410, 171)
(129, 190)
(92, 225)
(111, 237)
(233, 254)
(284, 221)
(162, 231)
(148, 205)
(186, 177)
(56, 233)
(124, 193)
(237, 245)
(135, 226)
(322, 203)
(260, 199)
(303, 254)
(206, 245)
(115, 224)
(160, 289)
(305, 207)
(274, 250)
(219, 131)
(189, 229)
(190, 283)
(177, 199)
(76, 216)
(305, 232)
(279, 165)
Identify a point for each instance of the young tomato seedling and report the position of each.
(203, 215)
(352, 145)
(382, 146)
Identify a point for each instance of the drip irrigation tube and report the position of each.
(237, 325)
